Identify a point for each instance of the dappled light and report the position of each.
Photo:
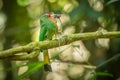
(60, 40)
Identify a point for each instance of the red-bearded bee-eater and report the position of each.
(49, 28)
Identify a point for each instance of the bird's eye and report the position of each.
(56, 16)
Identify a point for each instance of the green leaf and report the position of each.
(109, 60)
(16, 67)
(24, 3)
(56, 55)
(32, 67)
(100, 74)
(92, 78)
(104, 74)
(78, 46)
(111, 1)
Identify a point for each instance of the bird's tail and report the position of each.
(47, 65)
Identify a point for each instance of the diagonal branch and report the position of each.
(67, 39)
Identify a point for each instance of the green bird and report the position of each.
(48, 29)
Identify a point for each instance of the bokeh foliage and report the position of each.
(19, 25)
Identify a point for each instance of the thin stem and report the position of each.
(67, 39)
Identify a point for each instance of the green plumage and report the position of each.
(48, 29)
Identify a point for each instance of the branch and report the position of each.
(67, 39)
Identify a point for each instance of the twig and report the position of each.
(67, 39)
(107, 61)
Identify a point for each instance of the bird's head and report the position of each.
(53, 17)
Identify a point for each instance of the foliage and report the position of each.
(19, 25)
(32, 67)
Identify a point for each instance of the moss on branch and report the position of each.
(37, 46)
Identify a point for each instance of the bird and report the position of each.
(49, 28)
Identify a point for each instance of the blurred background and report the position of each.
(81, 60)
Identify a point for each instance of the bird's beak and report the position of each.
(57, 16)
